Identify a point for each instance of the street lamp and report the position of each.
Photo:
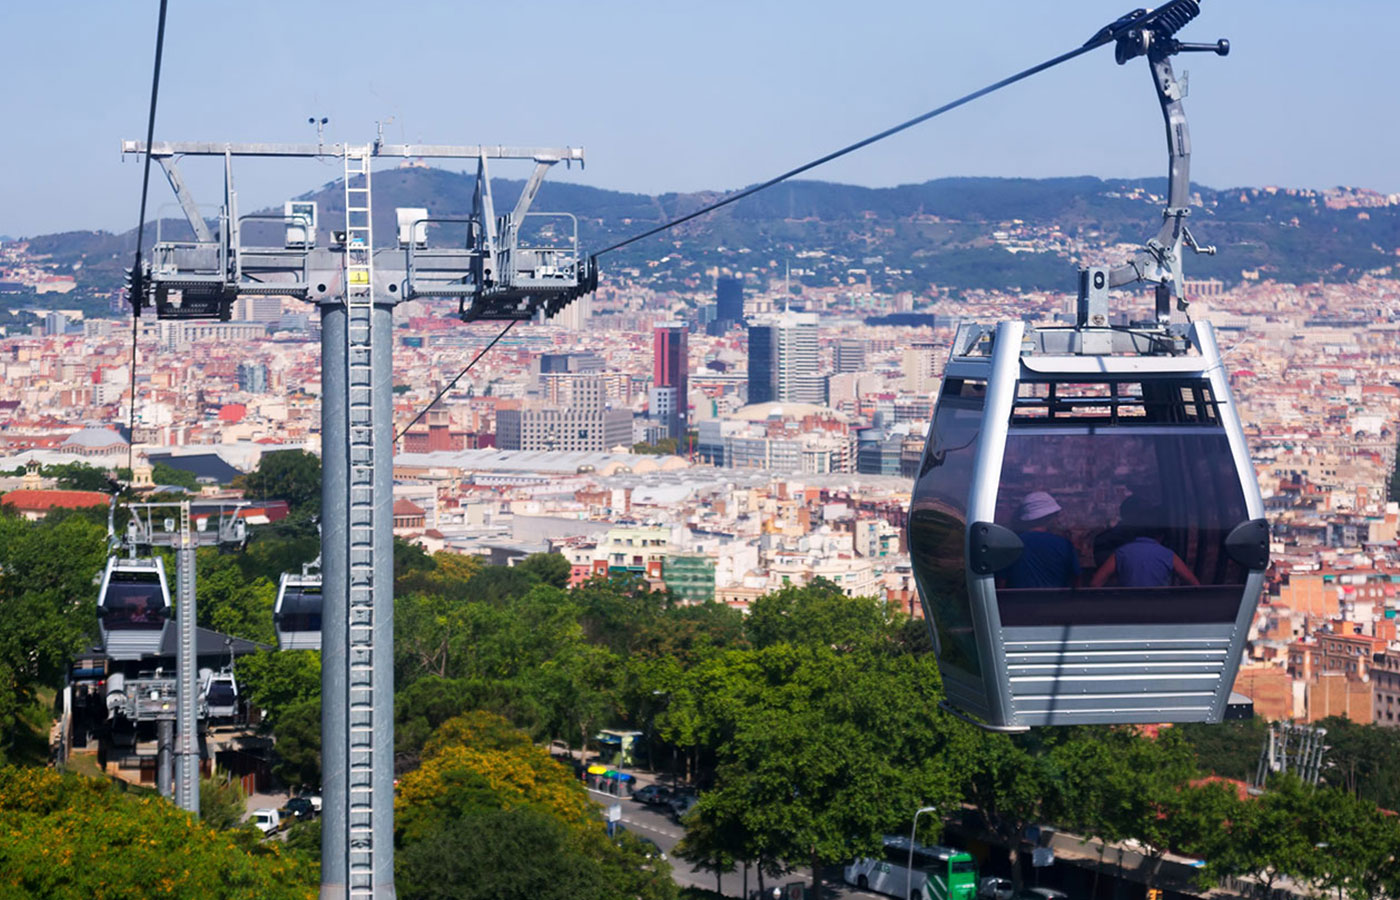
(913, 830)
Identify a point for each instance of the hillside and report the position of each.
(957, 233)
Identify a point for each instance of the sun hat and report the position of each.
(1037, 505)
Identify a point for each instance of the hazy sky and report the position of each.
(678, 96)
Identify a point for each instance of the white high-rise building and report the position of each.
(783, 360)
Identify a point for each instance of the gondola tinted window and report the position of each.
(1147, 491)
(221, 693)
(133, 601)
(937, 522)
(301, 610)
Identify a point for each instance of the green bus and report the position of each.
(938, 873)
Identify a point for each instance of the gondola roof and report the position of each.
(208, 643)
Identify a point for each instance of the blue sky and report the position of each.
(679, 95)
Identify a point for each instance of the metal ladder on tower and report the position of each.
(360, 659)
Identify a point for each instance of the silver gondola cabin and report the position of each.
(297, 614)
(133, 607)
(1086, 530)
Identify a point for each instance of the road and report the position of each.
(650, 822)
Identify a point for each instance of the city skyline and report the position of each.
(802, 89)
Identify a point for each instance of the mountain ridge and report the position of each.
(959, 233)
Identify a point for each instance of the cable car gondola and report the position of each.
(1086, 530)
(218, 694)
(133, 607)
(297, 614)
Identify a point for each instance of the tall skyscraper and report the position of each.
(783, 360)
(729, 304)
(670, 377)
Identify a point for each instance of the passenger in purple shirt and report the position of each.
(1143, 561)
(1047, 560)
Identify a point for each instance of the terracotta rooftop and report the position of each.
(35, 500)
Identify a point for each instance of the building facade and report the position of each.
(670, 374)
(783, 362)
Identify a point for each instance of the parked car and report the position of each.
(992, 888)
(300, 808)
(654, 795)
(267, 820)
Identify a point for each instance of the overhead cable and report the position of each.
(136, 283)
(851, 148)
(453, 383)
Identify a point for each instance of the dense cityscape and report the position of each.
(403, 512)
(719, 446)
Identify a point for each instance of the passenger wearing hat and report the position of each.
(1048, 560)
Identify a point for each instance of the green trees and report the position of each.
(221, 803)
(291, 475)
(76, 476)
(230, 602)
(488, 815)
(71, 838)
(164, 473)
(49, 605)
(823, 754)
(1317, 837)
(287, 686)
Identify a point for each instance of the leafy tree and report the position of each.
(576, 691)
(1148, 786)
(287, 687)
(499, 584)
(410, 558)
(484, 793)
(444, 575)
(73, 837)
(1012, 787)
(277, 548)
(424, 627)
(1363, 849)
(824, 753)
(49, 602)
(1229, 749)
(1363, 760)
(277, 680)
(76, 476)
(424, 706)
(663, 447)
(1271, 837)
(618, 612)
(232, 604)
(818, 614)
(291, 475)
(498, 854)
(546, 568)
(297, 730)
(164, 473)
(222, 803)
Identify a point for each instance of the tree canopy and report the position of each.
(72, 838)
(291, 475)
